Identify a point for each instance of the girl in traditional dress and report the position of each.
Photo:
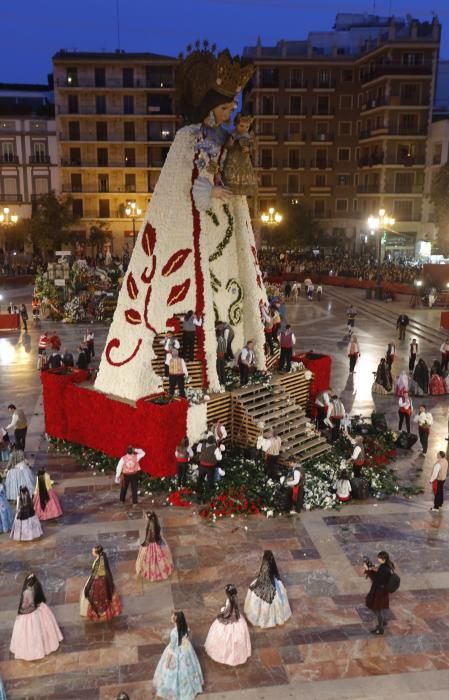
(353, 353)
(18, 474)
(266, 603)
(104, 601)
(6, 516)
(178, 675)
(383, 381)
(36, 633)
(26, 525)
(45, 501)
(228, 641)
(420, 384)
(402, 384)
(437, 385)
(154, 561)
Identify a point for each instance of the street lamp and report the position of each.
(133, 212)
(273, 218)
(378, 224)
(7, 219)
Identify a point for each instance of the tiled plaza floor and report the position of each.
(325, 650)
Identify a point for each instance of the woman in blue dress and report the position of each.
(18, 474)
(178, 675)
(6, 516)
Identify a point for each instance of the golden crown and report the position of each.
(230, 76)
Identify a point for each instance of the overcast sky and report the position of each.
(33, 30)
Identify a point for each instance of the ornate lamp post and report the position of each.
(378, 225)
(273, 218)
(7, 219)
(133, 212)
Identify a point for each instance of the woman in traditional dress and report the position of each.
(402, 384)
(196, 247)
(353, 353)
(228, 641)
(420, 384)
(46, 502)
(26, 525)
(104, 601)
(437, 385)
(266, 603)
(36, 633)
(383, 381)
(6, 516)
(18, 474)
(178, 675)
(154, 561)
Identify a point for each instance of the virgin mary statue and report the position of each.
(195, 249)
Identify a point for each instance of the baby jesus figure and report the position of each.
(238, 172)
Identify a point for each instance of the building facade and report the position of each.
(116, 120)
(28, 150)
(342, 120)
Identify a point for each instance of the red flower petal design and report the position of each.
(115, 343)
(146, 276)
(176, 261)
(178, 292)
(132, 316)
(131, 286)
(149, 239)
(145, 313)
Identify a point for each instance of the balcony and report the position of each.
(324, 214)
(407, 161)
(69, 189)
(297, 191)
(268, 164)
(370, 161)
(40, 159)
(111, 83)
(370, 188)
(267, 137)
(323, 112)
(321, 164)
(8, 159)
(299, 112)
(294, 163)
(296, 84)
(405, 188)
(396, 69)
(373, 133)
(324, 84)
(295, 137)
(10, 198)
(374, 104)
(322, 138)
(320, 189)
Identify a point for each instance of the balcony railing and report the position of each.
(324, 84)
(373, 104)
(294, 163)
(291, 191)
(405, 188)
(9, 158)
(10, 198)
(371, 188)
(295, 84)
(323, 112)
(322, 137)
(325, 214)
(295, 137)
(40, 159)
(115, 138)
(389, 69)
(376, 159)
(321, 163)
(102, 190)
(114, 83)
(298, 112)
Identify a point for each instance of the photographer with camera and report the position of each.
(384, 581)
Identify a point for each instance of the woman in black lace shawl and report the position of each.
(266, 603)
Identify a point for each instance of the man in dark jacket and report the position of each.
(83, 359)
(401, 325)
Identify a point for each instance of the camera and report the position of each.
(369, 564)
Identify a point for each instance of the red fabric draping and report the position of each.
(87, 417)
(9, 322)
(444, 320)
(321, 366)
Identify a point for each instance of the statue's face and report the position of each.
(222, 113)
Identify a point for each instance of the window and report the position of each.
(8, 155)
(347, 75)
(103, 209)
(344, 154)
(266, 180)
(322, 131)
(100, 104)
(294, 131)
(76, 182)
(322, 104)
(72, 77)
(345, 102)
(408, 123)
(130, 157)
(72, 104)
(102, 131)
(128, 104)
(293, 158)
(128, 77)
(320, 180)
(296, 80)
(321, 160)
(100, 77)
(293, 184)
(266, 157)
(74, 131)
(404, 182)
(10, 187)
(345, 128)
(129, 131)
(130, 182)
(268, 104)
(75, 157)
(266, 128)
(159, 104)
(341, 205)
(269, 77)
(355, 205)
(39, 152)
(410, 94)
(40, 185)
(437, 152)
(324, 78)
(295, 104)
(102, 157)
(343, 180)
(319, 207)
(103, 182)
(158, 77)
(412, 59)
(406, 153)
(403, 209)
(77, 208)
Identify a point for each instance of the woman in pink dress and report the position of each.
(26, 525)
(228, 641)
(36, 632)
(154, 561)
(45, 501)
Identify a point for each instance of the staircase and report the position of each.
(259, 407)
(194, 367)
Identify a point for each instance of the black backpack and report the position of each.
(393, 583)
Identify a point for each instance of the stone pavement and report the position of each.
(324, 652)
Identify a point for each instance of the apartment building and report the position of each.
(115, 120)
(342, 120)
(28, 151)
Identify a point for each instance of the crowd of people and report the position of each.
(51, 356)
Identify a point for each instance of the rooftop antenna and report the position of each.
(117, 12)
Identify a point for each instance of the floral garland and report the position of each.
(227, 237)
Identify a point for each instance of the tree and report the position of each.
(50, 223)
(99, 233)
(298, 229)
(439, 196)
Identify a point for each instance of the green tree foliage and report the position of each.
(99, 233)
(439, 195)
(49, 226)
(298, 230)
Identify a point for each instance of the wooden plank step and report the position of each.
(270, 409)
(297, 441)
(304, 446)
